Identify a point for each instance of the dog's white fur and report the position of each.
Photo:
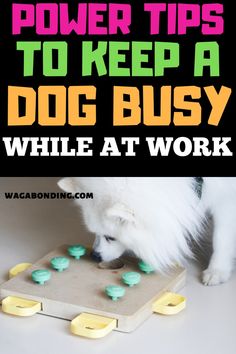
(157, 217)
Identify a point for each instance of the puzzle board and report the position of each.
(80, 289)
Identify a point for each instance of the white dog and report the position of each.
(157, 217)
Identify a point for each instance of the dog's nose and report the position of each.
(96, 256)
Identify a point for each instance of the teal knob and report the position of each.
(40, 276)
(60, 263)
(115, 291)
(76, 251)
(146, 268)
(131, 278)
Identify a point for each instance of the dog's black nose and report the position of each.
(96, 256)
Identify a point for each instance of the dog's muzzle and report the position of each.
(96, 256)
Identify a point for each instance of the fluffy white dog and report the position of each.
(156, 218)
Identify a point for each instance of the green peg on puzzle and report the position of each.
(40, 276)
(131, 278)
(145, 267)
(76, 251)
(60, 263)
(115, 292)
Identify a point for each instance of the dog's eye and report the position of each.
(109, 238)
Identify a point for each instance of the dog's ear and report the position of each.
(121, 213)
(70, 185)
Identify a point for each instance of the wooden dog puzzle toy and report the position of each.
(68, 284)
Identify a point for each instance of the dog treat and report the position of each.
(40, 276)
(76, 251)
(115, 264)
(60, 263)
(146, 268)
(115, 292)
(131, 278)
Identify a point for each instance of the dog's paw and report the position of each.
(215, 276)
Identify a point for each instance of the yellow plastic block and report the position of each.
(18, 269)
(169, 304)
(20, 307)
(92, 326)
